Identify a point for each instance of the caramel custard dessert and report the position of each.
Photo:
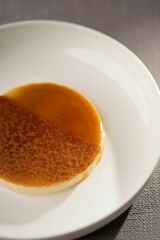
(50, 138)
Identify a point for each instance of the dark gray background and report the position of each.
(136, 24)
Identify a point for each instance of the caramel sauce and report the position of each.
(48, 134)
(62, 106)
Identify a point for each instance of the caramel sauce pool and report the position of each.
(61, 106)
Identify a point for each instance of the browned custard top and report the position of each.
(42, 139)
(61, 106)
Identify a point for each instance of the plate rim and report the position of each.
(119, 210)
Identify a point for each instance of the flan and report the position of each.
(50, 138)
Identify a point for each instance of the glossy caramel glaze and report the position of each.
(48, 134)
(61, 106)
(34, 152)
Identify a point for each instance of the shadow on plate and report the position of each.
(17, 208)
(109, 231)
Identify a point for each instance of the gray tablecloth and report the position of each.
(135, 23)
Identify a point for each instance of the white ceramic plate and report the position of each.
(128, 100)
